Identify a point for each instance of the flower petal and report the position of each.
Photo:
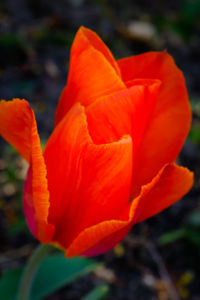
(99, 238)
(169, 185)
(86, 36)
(171, 118)
(127, 112)
(18, 127)
(16, 124)
(36, 202)
(97, 177)
(93, 73)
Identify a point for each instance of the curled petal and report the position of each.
(88, 38)
(15, 125)
(92, 183)
(18, 127)
(170, 121)
(127, 112)
(169, 185)
(98, 239)
(93, 73)
(36, 203)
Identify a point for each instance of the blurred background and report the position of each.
(159, 259)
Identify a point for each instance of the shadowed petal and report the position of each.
(170, 121)
(88, 183)
(127, 112)
(169, 185)
(18, 127)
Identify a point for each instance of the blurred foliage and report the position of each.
(39, 34)
(189, 16)
(184, 281)
(54, 272)
(185, 20)
(195, 104)
(189, 231)
(12, 174)
(194, 134)
(100, 292)
(10, 39)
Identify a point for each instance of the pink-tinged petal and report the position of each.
(19, 128)
(29, 209)
(166, 188)
(88, 183)
(169, 185)
(170, 121)
(93, 73)
(91, 241)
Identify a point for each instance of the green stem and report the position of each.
(31, 269)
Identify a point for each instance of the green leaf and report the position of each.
(9, 284)
(172, 236)
(54, 272)
(194, 134)
(98, 293)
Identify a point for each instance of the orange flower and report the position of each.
(108, 164)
